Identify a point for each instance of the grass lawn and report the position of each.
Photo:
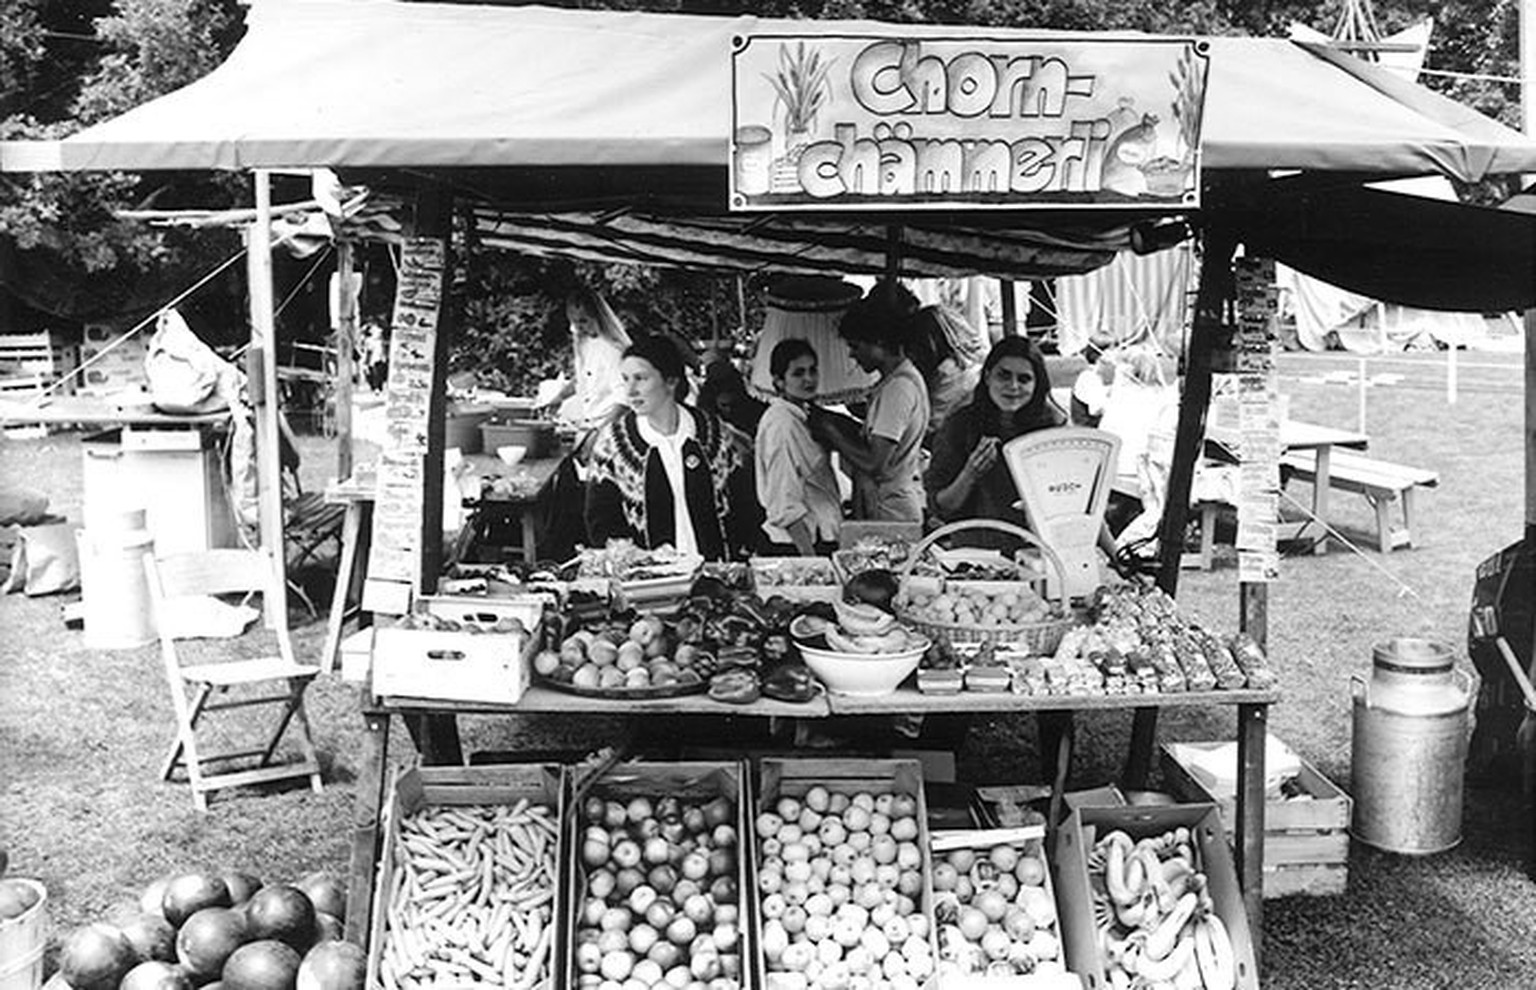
(82, 731)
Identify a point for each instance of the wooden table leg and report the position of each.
(1320, 496)
(530, 542)
(365, 825)
(1138, 762)
(1252, 732)
(436, 735)
(351, 528)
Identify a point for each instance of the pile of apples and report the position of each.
(840, 881)
(659, 897)
(958, 605)
(643, 656)
(996, 915)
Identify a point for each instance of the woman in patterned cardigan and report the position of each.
(662, 471)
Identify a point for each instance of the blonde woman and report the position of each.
(598, 342)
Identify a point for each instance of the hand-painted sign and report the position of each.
(842, 122)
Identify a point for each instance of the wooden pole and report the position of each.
(346, 339)
(1529, 757)
(1215, 287)
(893, 252)
(261, 366)
(434, 218)
(1010, 306)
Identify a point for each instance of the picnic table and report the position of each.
(1321, 441)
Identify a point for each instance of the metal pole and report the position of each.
(262, 370)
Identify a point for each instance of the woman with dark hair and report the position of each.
(967, 477)
(661, 471)
(802, 506)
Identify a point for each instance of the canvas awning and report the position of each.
(366, 84)
(605, 134)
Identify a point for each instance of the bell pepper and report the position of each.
(734, 687)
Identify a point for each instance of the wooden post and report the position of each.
(1215, 287)
(1007, 294)
(893, 252)
(434, 218)
(1529, 757)
(346, 340)
(261, 365)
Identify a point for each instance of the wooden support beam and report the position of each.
(262, 373)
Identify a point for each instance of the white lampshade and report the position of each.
(810, 308)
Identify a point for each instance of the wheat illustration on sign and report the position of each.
(802, 87)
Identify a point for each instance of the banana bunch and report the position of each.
(1158, 926)
(865, 628)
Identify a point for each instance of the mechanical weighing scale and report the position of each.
(1064, 476)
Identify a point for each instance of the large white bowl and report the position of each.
(864, 675)
(511, 454)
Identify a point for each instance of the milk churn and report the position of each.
(114, 589)
(1410, 747)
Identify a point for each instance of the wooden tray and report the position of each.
(625, 694)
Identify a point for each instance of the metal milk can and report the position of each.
(1410, 747)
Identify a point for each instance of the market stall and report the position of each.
(605, 136)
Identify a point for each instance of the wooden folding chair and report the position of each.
(201, 689)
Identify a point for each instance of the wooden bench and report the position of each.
(1381, 482)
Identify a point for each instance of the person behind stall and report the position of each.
(967, 476)
(948, 354)
(884, 455)
(1090, 389)
(724, 393)
(661, 471)
(594, 392)
(795, 484)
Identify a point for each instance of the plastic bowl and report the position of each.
(510, 455)
(864, 675)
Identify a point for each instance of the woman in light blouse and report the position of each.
(795, 484)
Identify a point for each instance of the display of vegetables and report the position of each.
(1157, 923)
(657, 894)
(472, 899)
(841, 887)
(995, 912)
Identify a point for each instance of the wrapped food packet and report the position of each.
(1250, 656)
(1197, 672)
(1229, 676)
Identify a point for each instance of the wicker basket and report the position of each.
(1041, 637)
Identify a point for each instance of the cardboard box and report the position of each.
(484, 611)
(456, 787)
(1029, 841)
(693, 783)
(1306, 839)
(794, 777)
(452, 666)
(1074, 890)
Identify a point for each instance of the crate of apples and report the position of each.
(658, 877)
(641, 659)
(843, 889)
(995, 911)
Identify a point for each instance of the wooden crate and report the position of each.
(1306, 840)
(794, 777)
(1081, 935)
(450, 787)
(694, 783)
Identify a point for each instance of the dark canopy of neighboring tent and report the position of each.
(605, 134)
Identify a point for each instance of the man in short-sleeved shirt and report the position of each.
(886, 455)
